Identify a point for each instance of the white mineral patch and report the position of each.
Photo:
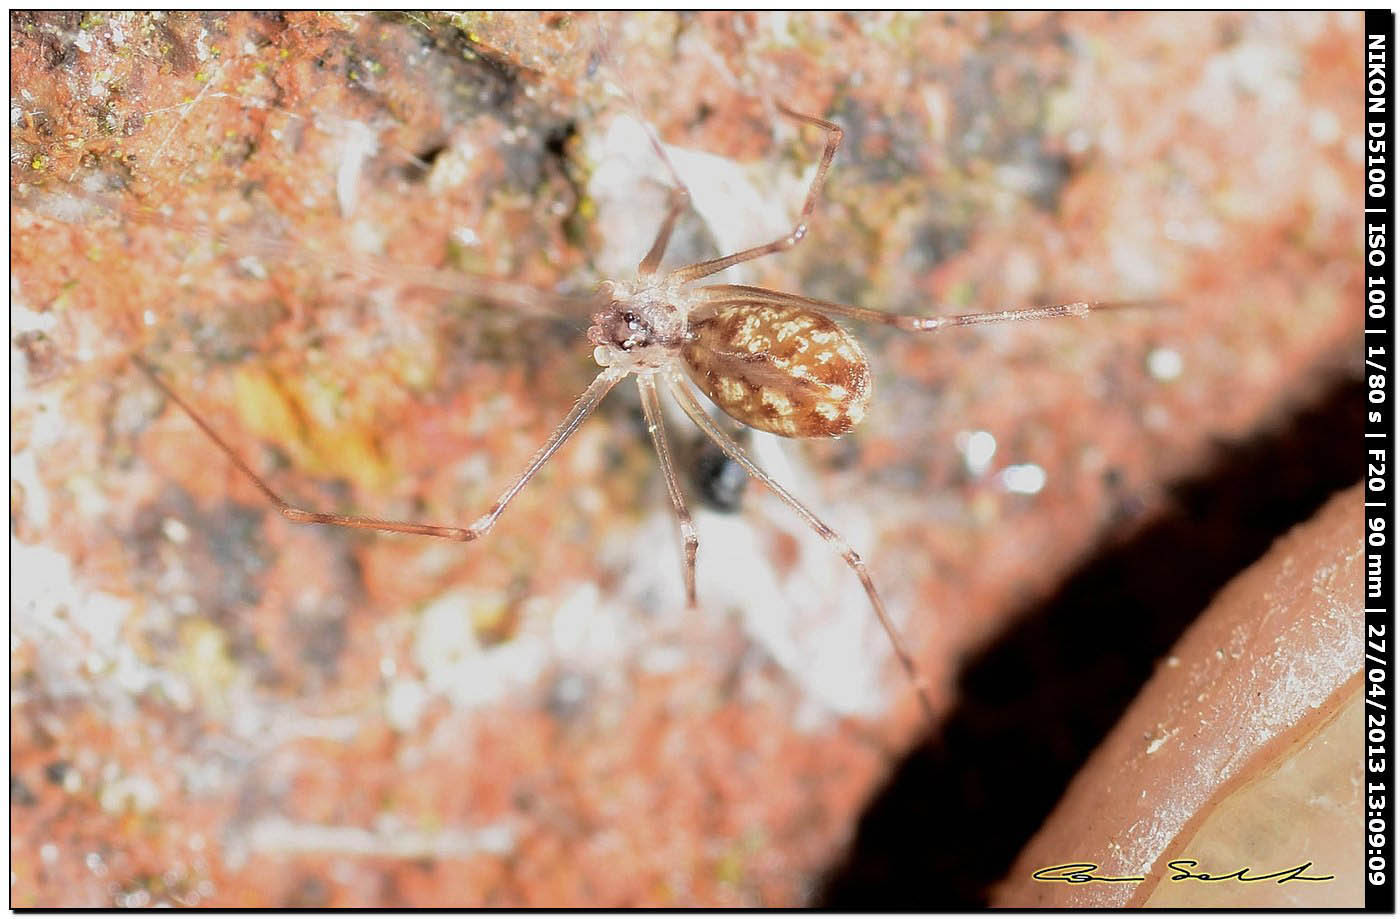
(1023, 479)
(454, 663)
(133, 792)
(1165, 364)
(278, 834)
(813, 619)
(50, 600)
(741, 205)
(580, 629)
(403, 704)
(358, 144)
(977, 449)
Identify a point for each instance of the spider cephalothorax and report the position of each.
(641, 327)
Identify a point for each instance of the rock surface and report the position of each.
(213, 706)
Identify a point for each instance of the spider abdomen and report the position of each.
(782, 369)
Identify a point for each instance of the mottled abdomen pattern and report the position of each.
(781, 369)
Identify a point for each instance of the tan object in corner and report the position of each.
(1242, 752)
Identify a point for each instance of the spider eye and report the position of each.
(629, 317)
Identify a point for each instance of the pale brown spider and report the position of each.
(771, 360)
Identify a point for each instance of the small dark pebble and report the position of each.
(20, 795)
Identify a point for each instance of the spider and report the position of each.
(774, 361)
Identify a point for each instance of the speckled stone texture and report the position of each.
(213, 706)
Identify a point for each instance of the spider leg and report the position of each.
(273, 243)
(690, 542)
(602, 384)
(702, 420)
(833, 140)
(680, 200)
(582, 409)
(680, 194)
(719, 295)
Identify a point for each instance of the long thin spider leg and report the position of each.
(622, 88)
(602, 384)
(720, 295)
(726, 443)
(690, 542)
(833, 140)
(680, 200)
(525, 299)
(680, 194)
(582, 408)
